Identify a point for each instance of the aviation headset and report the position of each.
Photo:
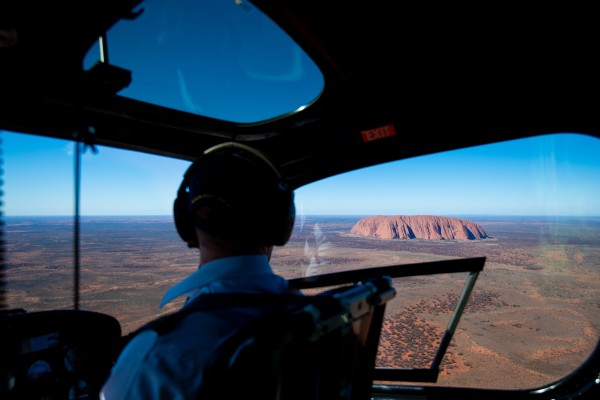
(249, 200)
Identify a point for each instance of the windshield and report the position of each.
(529, 206)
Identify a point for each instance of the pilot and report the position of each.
(234, 206)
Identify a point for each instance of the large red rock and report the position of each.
(428, 227)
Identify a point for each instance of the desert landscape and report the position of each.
(533, 317)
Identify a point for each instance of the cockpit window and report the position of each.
(226, 60)
(530, 207)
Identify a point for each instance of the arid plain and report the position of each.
(533, 317)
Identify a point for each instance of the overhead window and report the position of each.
(219, 59)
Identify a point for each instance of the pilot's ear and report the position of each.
(213, 219)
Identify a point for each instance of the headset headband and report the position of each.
(247, 148)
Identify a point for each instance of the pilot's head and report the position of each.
(235, 193)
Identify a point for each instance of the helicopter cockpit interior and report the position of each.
(444, 162)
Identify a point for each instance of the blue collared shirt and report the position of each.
(170, 366)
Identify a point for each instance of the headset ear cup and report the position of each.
(283, 220)
(183, 221)
(288, 221)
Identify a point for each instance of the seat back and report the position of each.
(318, 347)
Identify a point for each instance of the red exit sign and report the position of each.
(382, 132)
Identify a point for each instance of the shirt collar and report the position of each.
(238, 266)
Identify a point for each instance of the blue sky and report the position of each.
(224, 60)
(553, 175)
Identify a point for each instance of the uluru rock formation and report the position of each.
(428, 227)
